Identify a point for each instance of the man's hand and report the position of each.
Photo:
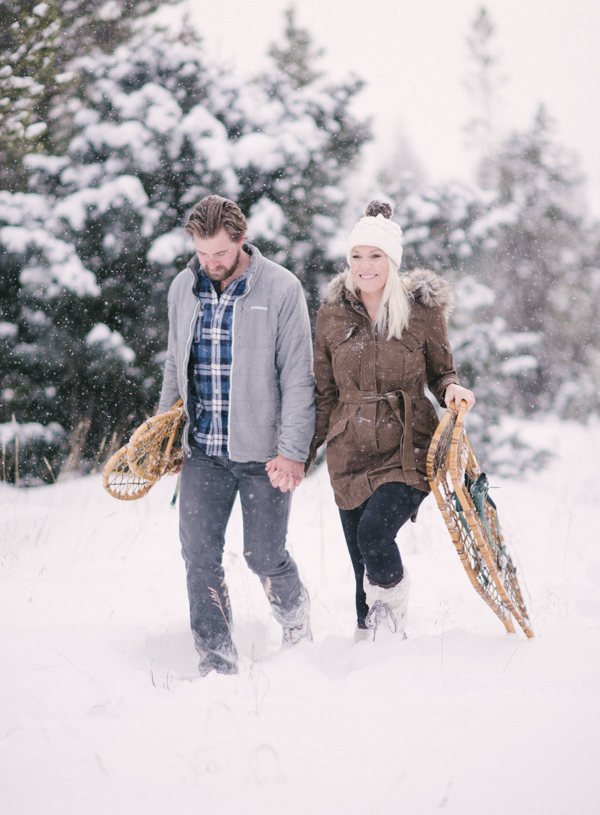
(456, 393)
(285, 473)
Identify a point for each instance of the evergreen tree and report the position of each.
(543, 265)
(402, 173)
(311, 141)
(296, 55)
(543, 250)
(446, 227)
(483, 83)
(27, 72)
(496, 363)
(39, 44)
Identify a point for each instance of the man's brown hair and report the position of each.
(214, 213)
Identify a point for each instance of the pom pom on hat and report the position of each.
(375, 208)
(376, 229)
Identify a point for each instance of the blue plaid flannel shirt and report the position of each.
(209, 368)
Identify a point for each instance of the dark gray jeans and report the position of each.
(209, 485)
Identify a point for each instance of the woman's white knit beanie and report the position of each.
(376, 229)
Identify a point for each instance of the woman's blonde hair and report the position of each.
(393, 315)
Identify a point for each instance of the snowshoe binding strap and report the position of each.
(379, 612)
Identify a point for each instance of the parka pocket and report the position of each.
(413, 351)
(409, 340)
(337, 428)
(421, 435)
(341, 336)
(345, 355)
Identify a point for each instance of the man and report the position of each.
(240, 357)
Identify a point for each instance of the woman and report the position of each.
(380, 339)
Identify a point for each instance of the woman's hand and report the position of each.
(456, 393)
(285, 473)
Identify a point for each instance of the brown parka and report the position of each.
(370, 388)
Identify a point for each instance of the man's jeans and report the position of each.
(209, 485)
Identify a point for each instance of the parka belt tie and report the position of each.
(409, 464)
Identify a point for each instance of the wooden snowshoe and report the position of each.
(461, 492)
(153, 451)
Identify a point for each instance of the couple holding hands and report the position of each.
(240, 356)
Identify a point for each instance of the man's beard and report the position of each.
(221, 273)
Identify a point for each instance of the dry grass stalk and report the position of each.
(47, 463)
(17, 477)
(76, 444)
(98, 457)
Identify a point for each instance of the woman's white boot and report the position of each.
(387, 604)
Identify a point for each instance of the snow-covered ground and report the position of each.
(102, 711)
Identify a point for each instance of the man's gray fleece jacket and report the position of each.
(271, 400)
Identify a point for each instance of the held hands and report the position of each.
(285, 473)
(456, 394)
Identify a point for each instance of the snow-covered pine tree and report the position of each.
(402, 172)
(307, 140)
(86, 26)
(445, 227)
(483, 82)
(544, 257)
(28, 44)
(296, 55)
(39, 42)
(59, 369)
(544, 267)
(496, 363)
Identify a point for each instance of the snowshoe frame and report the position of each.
(460, 489)
(153, 451)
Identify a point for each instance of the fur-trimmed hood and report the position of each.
(422, 286)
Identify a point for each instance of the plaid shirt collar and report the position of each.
(209, 291)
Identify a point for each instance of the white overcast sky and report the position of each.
(413, 57)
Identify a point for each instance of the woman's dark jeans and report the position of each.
(371, 531)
